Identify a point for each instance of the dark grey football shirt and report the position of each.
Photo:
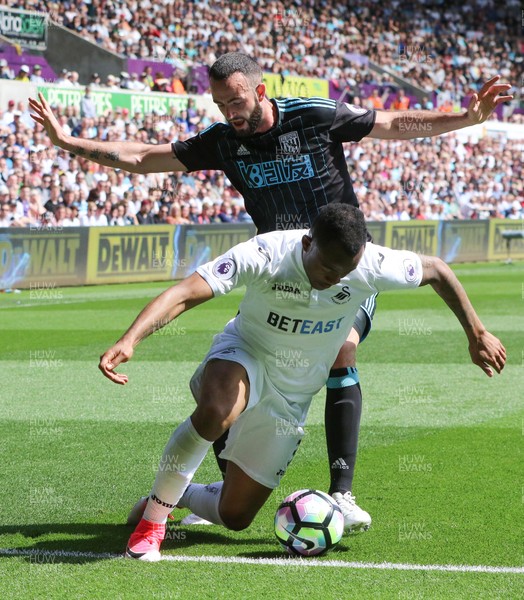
(289, 172)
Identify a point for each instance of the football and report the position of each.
(308, 523)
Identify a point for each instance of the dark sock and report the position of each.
(342, 422)
(218, 446)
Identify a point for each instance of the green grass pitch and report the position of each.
(439, 468)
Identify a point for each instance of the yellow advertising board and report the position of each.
(43, 259)
(377, 231)
(53, 256)
(137, 253)
(498, 248)
(418, 236)
(196, 244)
(463, 241)
(291, 86)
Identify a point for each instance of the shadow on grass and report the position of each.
(49, 539)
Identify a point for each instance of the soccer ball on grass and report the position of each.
(308, 523)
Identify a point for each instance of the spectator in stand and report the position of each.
(8, 114)
(427, 104)
(25, 119)
(515, 212)
(36, 208)
(63, 80)
(145, 81)
(194, 211)
(135, 84)
(375, 101)
(5, 72)
(185, 213)
(60, 215)
(55, 198)
(175, 216)
(23, 74)
(95, 81)
(120, 216)
(148, 127)
(109, 203)
(205, 216)
(87, 105)
(36, 76)
(72, 217)
(100, 217)
(114, 220)
(23, 201)
(15, 125)
(124, 80)
(122, 184)
(130, 209)
(148, 77)
(13, 215)
(160, 218)
(144, 216)
(401, 102)
(177, 87)
(225, 213)
(88, 219)
(72, 115)
(111, 83)
(161, 84)
(5, 219)
(138, 194)
(74, 78)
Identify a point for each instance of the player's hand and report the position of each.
(483, 103)
(117, 354)
(487, 351)
(43, 114)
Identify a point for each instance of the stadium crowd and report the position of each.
(446, 47)
(435, 178)
(451, 49)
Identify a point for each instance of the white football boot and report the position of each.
(355, 519)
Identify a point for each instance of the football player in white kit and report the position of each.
(303, 289)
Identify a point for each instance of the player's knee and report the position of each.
(214, 411)
(347, 356)
(235, 519)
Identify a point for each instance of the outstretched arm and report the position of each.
(191, 292)
(485, 349)
(409, 124)
(135, 157)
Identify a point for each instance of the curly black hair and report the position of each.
(340, 223)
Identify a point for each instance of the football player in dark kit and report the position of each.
(286, 158)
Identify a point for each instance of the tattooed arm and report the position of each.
(131, 156)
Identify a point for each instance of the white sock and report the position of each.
(182, 456)
(203, 500)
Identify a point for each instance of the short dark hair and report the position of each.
(342, 224)
(236, 62)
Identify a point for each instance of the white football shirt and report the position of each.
(296, 331)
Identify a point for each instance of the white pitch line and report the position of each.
(280, 562)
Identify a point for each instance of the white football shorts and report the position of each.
(265, 437)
